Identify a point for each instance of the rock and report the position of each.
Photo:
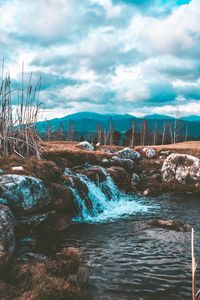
(7, 237)
(146, 192)
(36, 219)
(128, 153)
(24, 194)
(155, 176)
(171, 225)
(61, 222)
(95, 173)
(164, 224)
(120, 176)
(2, 172)
(85, 146)
(18, 168)
(165, 153)
(63, 198)
(135, 179)
(182, 168)
(150, 153)
(105, 161)
(30, 256)
(122, 162)
(109, 151)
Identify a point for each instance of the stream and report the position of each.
(126, 260)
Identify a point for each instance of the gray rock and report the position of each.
(128, 153)
(36, 219)
(30, 256)
(24, 194)
(122, 162)
(150, 153)
(155, 176)
(146, 192)
(7, 237)
(165, 153)
(105, 161)
(182, 168)
(85, 146)
(2, 172)
(135, 179)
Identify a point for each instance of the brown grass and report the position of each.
(60, 278)
(192, 148)
(62, 147)
(69, 154)
(46, 170)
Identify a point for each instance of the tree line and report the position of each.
(145, 132)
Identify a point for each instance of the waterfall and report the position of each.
(107, 201)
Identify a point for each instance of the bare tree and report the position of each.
(164, 131)
(132, 133)
(155, 133)
(110, 132)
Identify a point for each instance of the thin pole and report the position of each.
(193, 266)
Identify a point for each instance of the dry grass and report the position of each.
(192, 148)
(60, 278)
(60, 147)
(17, 124)
(46, 170)
(66, 153)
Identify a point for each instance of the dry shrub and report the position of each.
(61, 278)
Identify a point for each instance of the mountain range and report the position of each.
(87, 122)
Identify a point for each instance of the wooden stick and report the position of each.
(193, 266)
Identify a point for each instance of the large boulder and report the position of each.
(181, 167)
(128, 153)
(23, 194)
(85, 146)
(7, 237)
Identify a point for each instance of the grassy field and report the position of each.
(60, 147)
(192, 148)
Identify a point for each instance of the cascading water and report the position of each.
(107, 201)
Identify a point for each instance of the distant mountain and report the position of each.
(192, 118)
(96, 116)
(158, 117)
(88, 122)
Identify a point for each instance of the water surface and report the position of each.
(128, 261)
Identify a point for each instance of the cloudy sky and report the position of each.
(119, 56)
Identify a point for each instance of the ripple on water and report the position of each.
(148, 264)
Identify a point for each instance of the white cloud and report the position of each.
(116, 57)
(110, 9)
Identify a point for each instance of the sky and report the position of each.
(107, 56)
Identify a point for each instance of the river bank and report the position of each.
(40, 200)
